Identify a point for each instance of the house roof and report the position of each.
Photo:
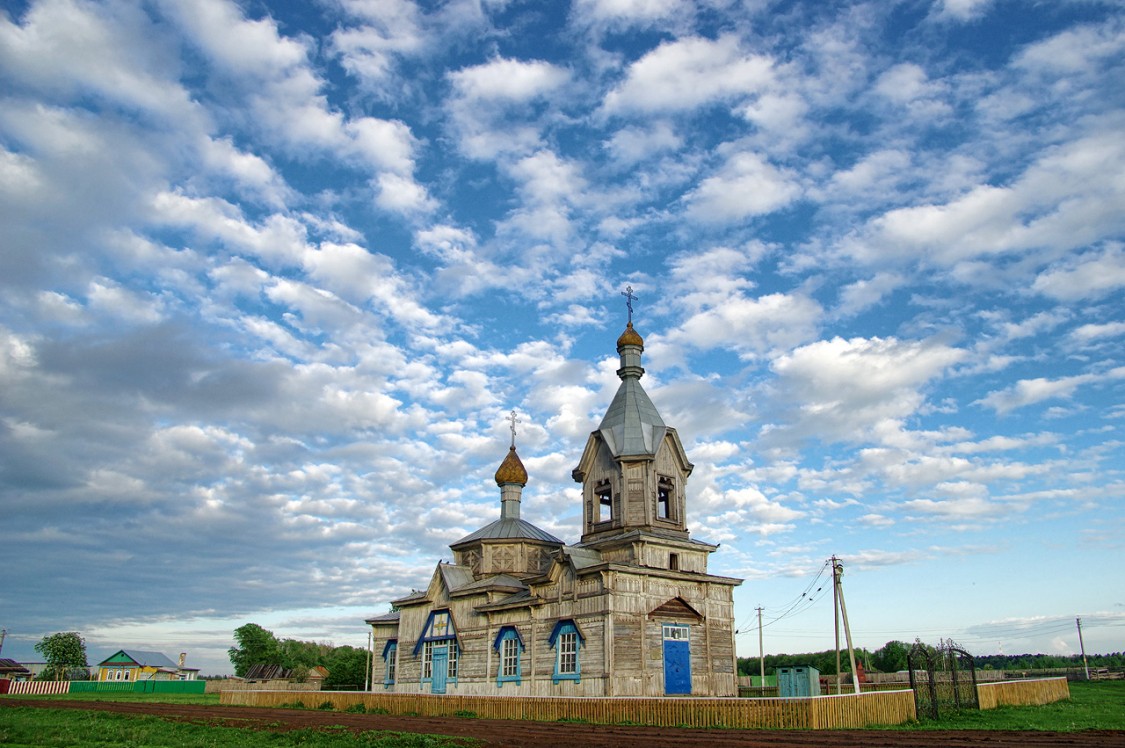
(391, 617)
(142, 658)
(496, 582)
(263, 671)
(11, 667)
(454, 576)
(509, 529)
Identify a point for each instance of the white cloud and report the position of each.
(1089, 275)
(506, 80)
(1030, 391)
(858, 389)
(1059, 203)
(752, 326)
(962, 10)
(688, 73)
(747, 185)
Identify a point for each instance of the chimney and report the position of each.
(183, 658)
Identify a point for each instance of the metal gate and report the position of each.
(942, 678)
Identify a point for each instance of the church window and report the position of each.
(451, 671)
(603, 504)
(390, 656)
(676, 632)
(674, 561)
(566, 640)
(664, 490)
(428, 661)
(509, 644)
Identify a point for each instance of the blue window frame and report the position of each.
(509, 645)
(566, 639)
(390, 660)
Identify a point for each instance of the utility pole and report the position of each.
(1083, 646)
(367, 679)
(4, 635)
(837, 572)
(761, 650)
(836, 615)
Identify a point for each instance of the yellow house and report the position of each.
(134, 664)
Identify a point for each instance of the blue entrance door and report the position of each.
(677, 659)
(441, 669)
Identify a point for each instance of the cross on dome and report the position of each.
(513, 420)
(629, 299)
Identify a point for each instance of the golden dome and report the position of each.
(511, 470)
(630, 337)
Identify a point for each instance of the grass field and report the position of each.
(1092, 706)
(1098, 705)
(25, 726)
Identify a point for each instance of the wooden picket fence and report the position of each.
(1022, 692)
(39, 687)
(848, 710)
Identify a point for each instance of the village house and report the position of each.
(628, 610)
(135, 664)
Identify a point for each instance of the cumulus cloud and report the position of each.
(1030, 391)
(687, 73)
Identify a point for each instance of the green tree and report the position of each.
(347, 666)
(65, 654)
(891, 657)
(256, 645)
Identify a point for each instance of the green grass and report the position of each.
(1092, 706)
(27, 726)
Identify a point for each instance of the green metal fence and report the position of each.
(140, 686)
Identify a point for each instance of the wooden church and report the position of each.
(629, 610)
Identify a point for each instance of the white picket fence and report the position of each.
(39, 687)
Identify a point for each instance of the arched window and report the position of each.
(665, 490)
(509, 644)
(390, 658)
(566, 640)
(603, 501)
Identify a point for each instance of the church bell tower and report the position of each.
(634, 469)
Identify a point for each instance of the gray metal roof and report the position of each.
(394, 615)
(509, 529)
(498, 581)
(143, 658)
(632, 426)
(455, 577)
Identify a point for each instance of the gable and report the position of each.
(678, 608)
(119, 659)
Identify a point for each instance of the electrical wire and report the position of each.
(796, 606)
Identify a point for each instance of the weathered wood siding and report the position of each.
(824, 712)
(1022, 692)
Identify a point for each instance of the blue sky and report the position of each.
(272, 275)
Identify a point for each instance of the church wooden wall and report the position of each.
(622, 651)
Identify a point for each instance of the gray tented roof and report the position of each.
(632, 426)
(509, 529)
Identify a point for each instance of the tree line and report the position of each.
(347, 666)
(891, 658)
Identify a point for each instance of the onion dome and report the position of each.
(511, 470)
(630, 337)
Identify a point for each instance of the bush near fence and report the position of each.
(1023, 692)
(849, 710)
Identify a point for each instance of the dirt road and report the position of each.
(513, 734)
